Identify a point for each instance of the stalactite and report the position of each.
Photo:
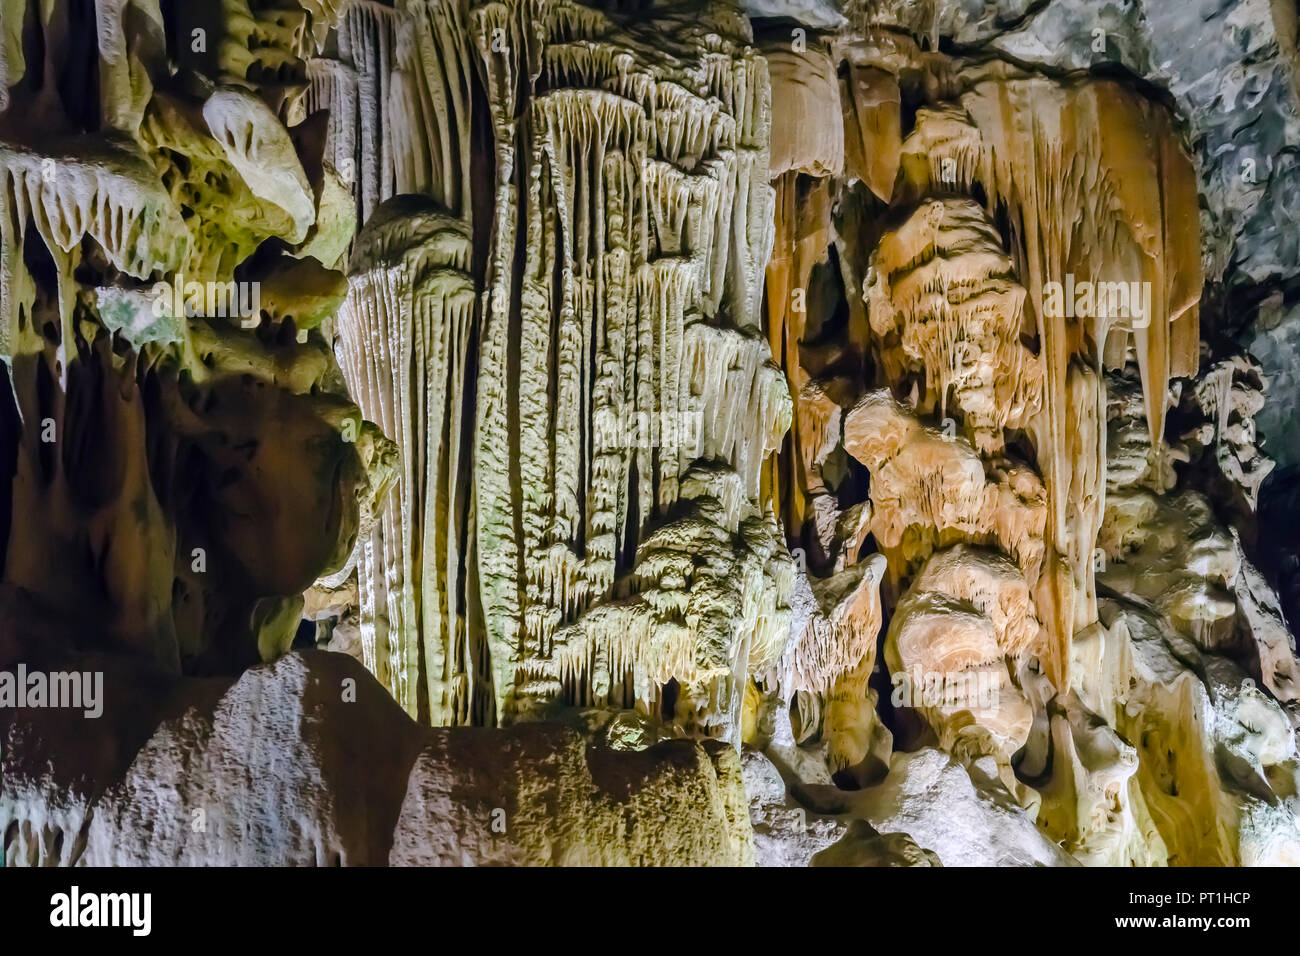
(162, 396)
(405, 335)
(871, 103)
(807, 126)
(802, 238)
(1091, 153)
(641, 194)
(942, 292)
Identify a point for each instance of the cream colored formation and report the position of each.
(149, 503)
(1012, 475)
(799, 393)
(550, 539)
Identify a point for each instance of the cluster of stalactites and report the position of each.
(706, 604)
(114, 197)
(943, 297)
(141, 191)
(141, 499)
(915, 17)
(1099, 156)
(400, 89)
(399, 92)
(619, 325)
(404, 338)
(1101, 198)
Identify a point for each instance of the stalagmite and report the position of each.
(968, 617)
(1227, 398)
(929, 490)
(834, 657)
(706, 606)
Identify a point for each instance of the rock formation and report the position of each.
(722, 433)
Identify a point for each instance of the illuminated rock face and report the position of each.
(722, 434)
(189, 459)
(548, 436)
(997, 303)
(286, 766)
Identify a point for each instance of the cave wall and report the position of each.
(681, 403)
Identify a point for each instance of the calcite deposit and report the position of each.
(685, 432)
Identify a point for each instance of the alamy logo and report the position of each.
(1101, 300)
(74, 909)
(223, 300)
(71, 689)
(978, 690)
(641, 430)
